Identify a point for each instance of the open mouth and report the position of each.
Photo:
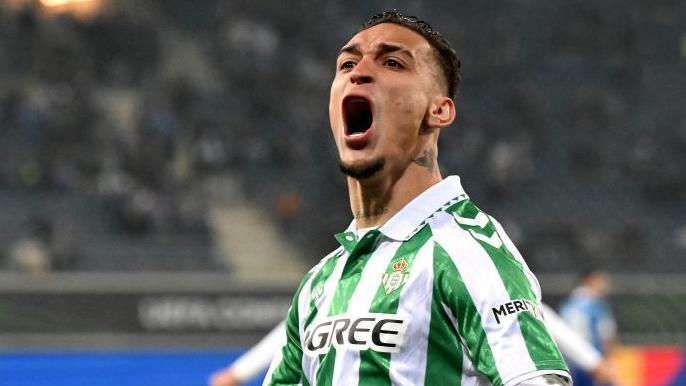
(357, 112)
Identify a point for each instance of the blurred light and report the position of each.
(58, 3)
(82, 9)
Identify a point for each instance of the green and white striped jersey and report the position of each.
(438, 295)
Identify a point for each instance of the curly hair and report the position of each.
(445, 54)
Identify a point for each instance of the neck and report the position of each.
(375, 200)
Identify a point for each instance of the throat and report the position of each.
(371, 205)
(375, 201)
(371, 213)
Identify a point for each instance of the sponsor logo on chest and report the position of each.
(379, 332)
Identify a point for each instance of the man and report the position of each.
(425, 289)
(590, 316)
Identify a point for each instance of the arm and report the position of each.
(577, 349)
(607, 329)
(494, 301)
(286, 367)
(253, 361)
(572, 345)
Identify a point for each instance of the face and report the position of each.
(600, 283)
(385, 85)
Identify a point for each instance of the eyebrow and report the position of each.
(350, 49)
(383, 48)
(388, 48)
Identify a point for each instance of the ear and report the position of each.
(441, 112)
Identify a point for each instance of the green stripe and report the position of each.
(540, 345)
(375, 366)
(350, 278)
(318, 282)
(444, 359)
(451, 288)
(352, 272)
(289, 370)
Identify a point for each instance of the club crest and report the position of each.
(394, 280)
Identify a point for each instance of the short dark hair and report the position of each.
(446, 55)
(588, 272)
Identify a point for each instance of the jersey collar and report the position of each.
(413, 216)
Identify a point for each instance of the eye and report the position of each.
(347, 65)
(393, 63)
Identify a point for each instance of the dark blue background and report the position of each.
(113, 368)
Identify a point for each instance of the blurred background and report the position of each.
(167, 174)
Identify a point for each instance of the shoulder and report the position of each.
(324, 264)
(477, 245)
(326, 260)
(462, 228)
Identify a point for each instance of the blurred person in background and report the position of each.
(253, 362)
(588, 313)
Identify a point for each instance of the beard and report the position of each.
(362, 172)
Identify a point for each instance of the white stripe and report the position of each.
(311, 363)
(346, 369)
(487, 290)
(492, 240)
(481, 220)
(408, 367)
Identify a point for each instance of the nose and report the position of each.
(361, 73)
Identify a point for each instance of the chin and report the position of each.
(356, 159)
(362, 169)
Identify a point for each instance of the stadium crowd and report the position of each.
(571, 126)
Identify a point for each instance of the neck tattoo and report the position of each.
(427, 159)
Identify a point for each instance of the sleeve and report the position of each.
(494, 302)
(286, 367)
(260, 356)
(573, 346)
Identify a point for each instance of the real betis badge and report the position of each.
(393, 281)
